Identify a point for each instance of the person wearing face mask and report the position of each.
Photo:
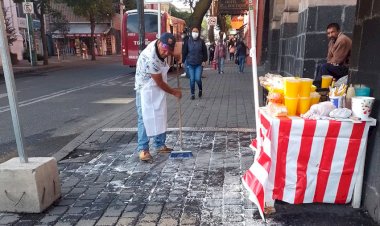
(151, 89)
(195, 54)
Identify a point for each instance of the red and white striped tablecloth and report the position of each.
(305, 161)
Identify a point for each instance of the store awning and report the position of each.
(83, 30)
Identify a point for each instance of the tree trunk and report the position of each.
(211, 35)
(200, 11)
(92, 21)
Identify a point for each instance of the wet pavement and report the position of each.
(104, 182)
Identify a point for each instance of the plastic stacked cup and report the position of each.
(314, 98)
(305, 87)
(326, 81)
(291, 105)
(291, 89)
(303, 105)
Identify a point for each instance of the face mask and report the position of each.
(194, 35)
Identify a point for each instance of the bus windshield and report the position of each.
(150, 21)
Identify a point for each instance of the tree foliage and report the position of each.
(179, 14)
(94, 11)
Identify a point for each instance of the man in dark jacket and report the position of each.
(194, 53)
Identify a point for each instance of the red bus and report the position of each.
(130, 33)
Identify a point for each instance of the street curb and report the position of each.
(77, 141)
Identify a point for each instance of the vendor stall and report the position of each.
(306, 161)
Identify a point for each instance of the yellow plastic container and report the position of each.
(313, 88)
(314, 98)
(303, 105)
(291, 87)
(305, 87)
(326, 81)
(291, 105)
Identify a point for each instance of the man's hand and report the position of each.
(203, 64)
(177, 93)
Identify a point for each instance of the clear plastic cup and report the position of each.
(291, 87)
(305, 87)
(291, 105)
(326, 81)
(303, 105)
(314, 98)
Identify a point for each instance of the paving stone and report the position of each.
(168, 222)
(126, 221)
(9, 219)
(76, 210)
(190, 219)
(153, 208)
(57, 210)
(114, 211)
(49, 219)
(105, 221)
(149, 218)
(86, 223)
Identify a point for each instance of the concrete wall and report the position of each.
(365, 69)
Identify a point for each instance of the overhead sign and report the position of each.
(27, 7)
(157, 1)
(232, 7)
(212, 21)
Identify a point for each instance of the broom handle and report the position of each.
(180, 114)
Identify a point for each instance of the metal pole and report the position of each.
(32, 50)
(10, 85)
(140, 10)
(254, 72)
(159, 19)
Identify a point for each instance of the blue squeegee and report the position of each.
(181, 154)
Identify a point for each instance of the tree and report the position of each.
(40, 9)
(200, 11)
(94, 11)
(9, 29)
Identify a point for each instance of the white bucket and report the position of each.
(362, 106)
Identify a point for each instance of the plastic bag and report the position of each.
(319, 111)
(340, 113)
(277, 109)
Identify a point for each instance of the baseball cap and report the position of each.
(168, 39)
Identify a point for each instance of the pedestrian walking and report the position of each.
(211, 52)
(195, 55)
(241, 54)
(220, 55)
(231, 49)
(151, 89)
(84, 51)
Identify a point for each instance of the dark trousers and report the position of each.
(329, 69)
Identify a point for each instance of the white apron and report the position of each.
(153, 106)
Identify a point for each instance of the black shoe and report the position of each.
(192, 97)
(200, 93)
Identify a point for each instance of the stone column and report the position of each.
(276, 9)
(288, 38)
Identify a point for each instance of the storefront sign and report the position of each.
(232, 7)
